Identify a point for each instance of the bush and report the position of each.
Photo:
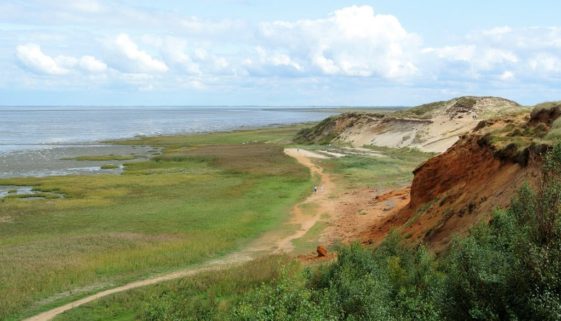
(511, 268)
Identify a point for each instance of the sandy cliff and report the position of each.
(431, 127)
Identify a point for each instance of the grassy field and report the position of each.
(205, 196)
(213, 294)
(376, 167)
(208, 296)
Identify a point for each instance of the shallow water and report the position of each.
(60, 160)
(6, 190)
(25, 128)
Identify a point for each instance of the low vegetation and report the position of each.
(515, 138)
(387, 168)
(205, 196)
(109, 166)
(424, 111)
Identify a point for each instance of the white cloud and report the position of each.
(507, 76)
(497, 31)
(139, 60)
(545, 63)
(92, 64)
(527, 53)
(353, 41)
(175, 53)
(87, 6)
(458, 53)
(33, 58)
(268, 63)
(479, 58)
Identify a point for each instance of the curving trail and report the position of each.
(257, 248)
(320, 199)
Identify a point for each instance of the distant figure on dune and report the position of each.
(315, 189)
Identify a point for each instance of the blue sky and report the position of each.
(246, 52)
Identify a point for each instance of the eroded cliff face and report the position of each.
(455, 190)
(482, 172)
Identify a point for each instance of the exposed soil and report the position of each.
(454, 191)
(319, 198)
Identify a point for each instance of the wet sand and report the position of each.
(59, 161)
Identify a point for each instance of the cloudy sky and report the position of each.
(249, 52)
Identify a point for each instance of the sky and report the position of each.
(277, 53)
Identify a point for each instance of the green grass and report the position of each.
(207, 195)
(425, 111)
(554, 133)
(109, 166)
(211, 293)
(308, 243)
(393, 170)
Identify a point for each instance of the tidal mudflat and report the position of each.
(68, 160)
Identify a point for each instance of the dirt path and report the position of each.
(266, 244)
(320, 199)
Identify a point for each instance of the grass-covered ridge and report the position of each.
(206, 195)
(517, 136)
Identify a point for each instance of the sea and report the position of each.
(31, 128)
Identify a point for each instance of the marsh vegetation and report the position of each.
(205, 196)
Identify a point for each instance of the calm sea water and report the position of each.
(23, 128)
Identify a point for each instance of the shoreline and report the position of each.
(44, 128)
(57, 160)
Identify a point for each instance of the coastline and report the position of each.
(44, 128)
(54, 160)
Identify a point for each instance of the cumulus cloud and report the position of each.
(353, 41)
(266, 63)
(136, 59)
(32, 57)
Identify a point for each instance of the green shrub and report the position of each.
(511, 268)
